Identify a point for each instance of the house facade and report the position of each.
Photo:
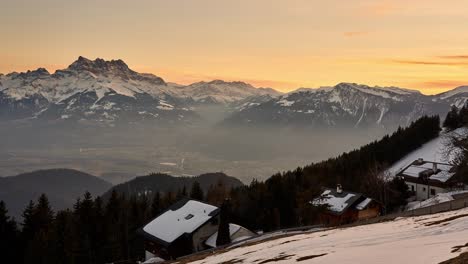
(426, 179)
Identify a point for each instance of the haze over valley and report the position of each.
(104, 118)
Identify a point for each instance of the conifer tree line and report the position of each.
(458, 143)
(97, 231)
(456, 117)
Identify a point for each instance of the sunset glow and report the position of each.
(270, 43)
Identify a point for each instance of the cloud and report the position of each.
(450, 60)
(442, 84)
(455, 57)
(351, 34)
(381, 8)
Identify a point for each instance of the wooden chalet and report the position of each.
(346, 207)
(186, 227)
(180, 230)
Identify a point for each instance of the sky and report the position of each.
(284, 44)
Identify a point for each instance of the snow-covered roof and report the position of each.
(184, 217)
(233, 229)
(362, 205)
(443, 172)
(154, 260)
(337, 202)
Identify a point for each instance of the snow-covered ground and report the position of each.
(425, 239)
(434, 150)
(439, 198)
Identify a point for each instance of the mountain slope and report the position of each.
(62, 186)
(109, 92)
(165, 183)
(344, 105)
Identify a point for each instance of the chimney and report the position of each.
(434, 167)
(339, 189)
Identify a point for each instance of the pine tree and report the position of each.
(114, 249)
(9, 237)
(452, 120)
(463, 115)
(196, 192)
(156, 205)
(64, 237)
(28, 223)
(85, 230)
(39, 247)
(224, 236)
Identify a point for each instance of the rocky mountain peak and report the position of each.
(101, 66)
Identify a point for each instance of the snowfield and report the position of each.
(425, 239)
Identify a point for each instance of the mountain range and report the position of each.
(108, 93)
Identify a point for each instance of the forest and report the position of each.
(98, 230)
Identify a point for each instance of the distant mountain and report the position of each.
(164, 183)
(62, 187)
(219, 91)
(347, 105)
(109, 93)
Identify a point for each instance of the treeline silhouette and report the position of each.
(97, 231)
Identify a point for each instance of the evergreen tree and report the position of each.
(463, 115)
(114, 220)
(28, 223)
(9, 237)
(156, 205)
(224, 236)
(39, 247)
(452, 120)
(64, 237)
(85, 230)
(196, 192)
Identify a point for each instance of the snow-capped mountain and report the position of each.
(219, 91)
(457, 96)
(110, 92)
(348, 105)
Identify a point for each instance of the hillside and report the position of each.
(165, 183)
(424, 239)
(62, 186)
(434, 150)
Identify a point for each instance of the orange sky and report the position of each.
(283, 44)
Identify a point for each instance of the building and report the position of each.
(425, 179)
(236, 232)
(185, 228)
(346, 207)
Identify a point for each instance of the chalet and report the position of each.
(425, 179)
(186, 227)
(346, 207)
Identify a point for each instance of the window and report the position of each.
(424, 189)
(412, 188)
(433, 191)
(188, 216)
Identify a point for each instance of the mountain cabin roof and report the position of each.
(339, 202)
(436, 172)
(183, 217)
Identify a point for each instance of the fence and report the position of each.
(459, 202)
